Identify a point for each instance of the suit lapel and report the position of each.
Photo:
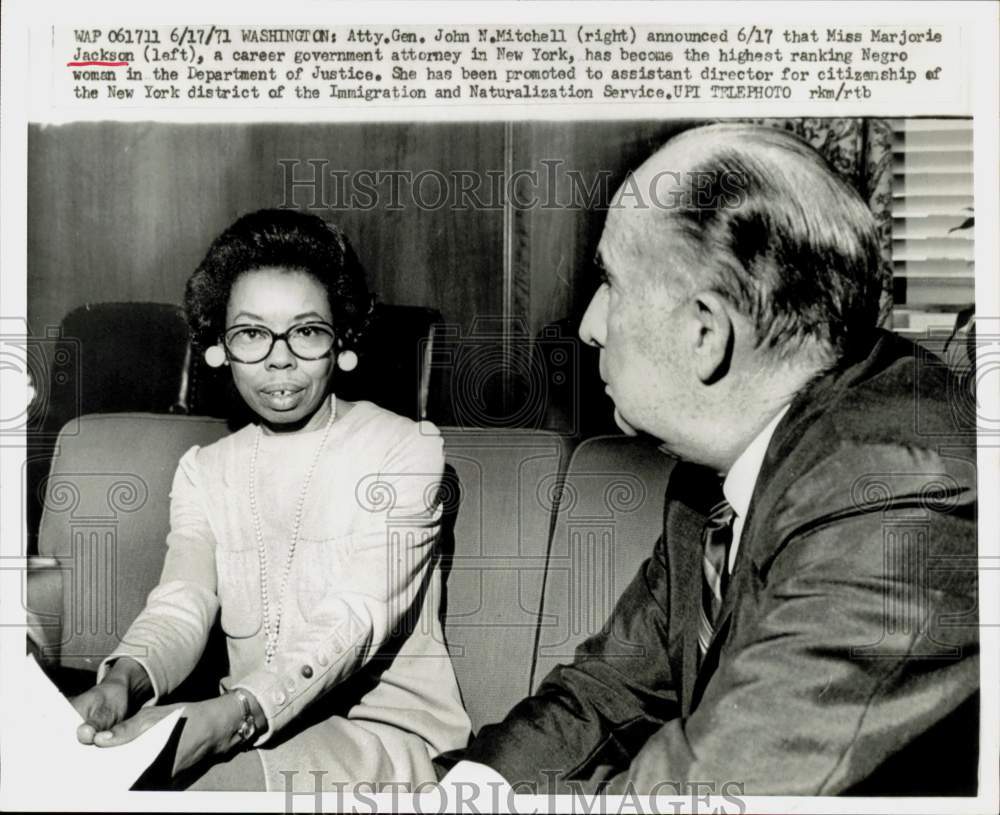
(772, 482)
(683, 522)
(792, 451)
(779, 471)
(685, 529)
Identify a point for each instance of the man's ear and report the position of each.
(713, 343)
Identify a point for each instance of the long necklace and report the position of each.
(272, 629)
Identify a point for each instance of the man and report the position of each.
(811, 628)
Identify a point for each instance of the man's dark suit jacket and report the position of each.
(846, 653)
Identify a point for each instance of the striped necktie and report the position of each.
(716, 536)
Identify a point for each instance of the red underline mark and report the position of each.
(102, 64)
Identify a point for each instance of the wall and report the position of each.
(121, 211)
(125, 211)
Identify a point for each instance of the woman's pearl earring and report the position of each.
(347, 361)
(215, 356)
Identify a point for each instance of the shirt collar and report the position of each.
(742, 476)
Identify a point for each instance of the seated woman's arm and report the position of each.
(168, 637)
(166, 641)
(390, 559)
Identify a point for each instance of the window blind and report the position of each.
(932, 208)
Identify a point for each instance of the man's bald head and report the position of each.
(760, 218)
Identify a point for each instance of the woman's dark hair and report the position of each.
(289, 240)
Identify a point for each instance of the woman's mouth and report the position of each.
(281, 397)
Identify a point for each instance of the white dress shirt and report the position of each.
(741, 479)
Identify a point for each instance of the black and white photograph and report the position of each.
(438, 461)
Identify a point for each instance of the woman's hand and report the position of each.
(125, 730)
(102, 707)
(209, 729)
(125, 686)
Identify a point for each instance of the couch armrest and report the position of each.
(44, 606)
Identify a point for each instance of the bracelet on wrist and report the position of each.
(248, 724)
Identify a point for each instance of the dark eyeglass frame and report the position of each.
(284, 335)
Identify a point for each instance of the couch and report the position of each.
(538, 540)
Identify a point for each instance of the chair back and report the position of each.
(500, 490)
(106, 518)
(609, 515)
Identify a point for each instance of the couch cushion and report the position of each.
(500, 488)
(106, 518)
(608, 518)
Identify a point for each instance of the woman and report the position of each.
(311, 531)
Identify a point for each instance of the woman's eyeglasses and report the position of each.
(253, 343)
